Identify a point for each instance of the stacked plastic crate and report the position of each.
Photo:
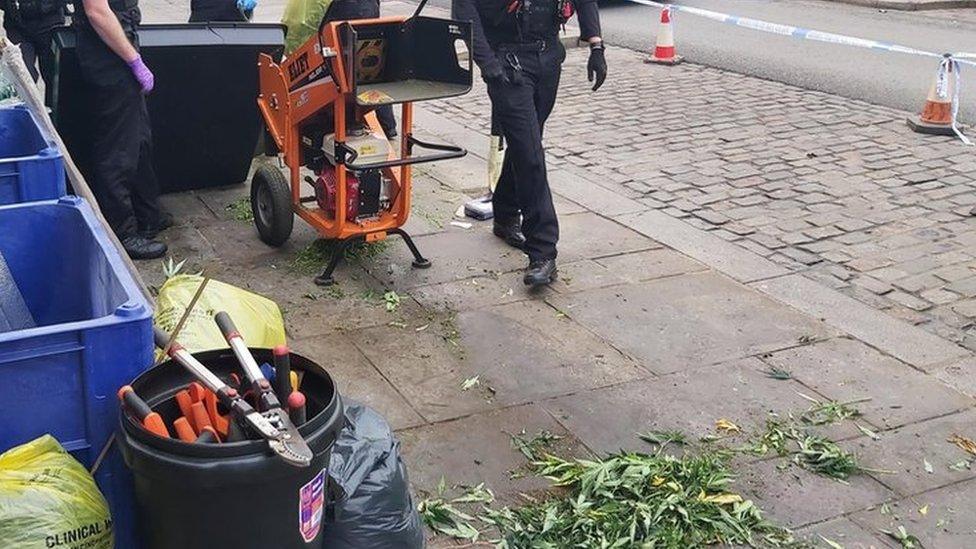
(74, 326)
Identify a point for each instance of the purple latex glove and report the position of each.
(142, 73)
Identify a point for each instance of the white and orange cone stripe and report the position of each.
(664, 50)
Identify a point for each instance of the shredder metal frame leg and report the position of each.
(419, 261)
(325, 279)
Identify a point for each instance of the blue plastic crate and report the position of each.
(92, 334)
(31, 167)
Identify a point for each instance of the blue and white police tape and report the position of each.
(948, 80)
(950, 63)
(789, 30)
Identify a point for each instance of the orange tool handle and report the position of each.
(197, 391)
(185, 402)
(201, 419)
(220, 423)
(184, 430)
(138, 408)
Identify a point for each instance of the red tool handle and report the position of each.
(282, 363)
(296, 408)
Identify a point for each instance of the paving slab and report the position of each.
(187, 209)
(456, 254)
(582, 275)
(427, 369)
(468, 175)
(237, 243)
(948, 523)
(432, 207)
(903, 341)
(478, 449)
(609, 419)
(711, 250)
(356, 378)
(650, 264)
(521, 351)
(218, 200)
(354, 302)
(960, 375)
(565, 206)
(474, 293)
(795, 497)
(906, 450)
(844, 532)
(598, 199)
(588, 235)
(684, 322)
(476, 142)
(846, 370)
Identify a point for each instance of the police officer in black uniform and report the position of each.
(517, 47)
(122, 174)
(30, 24)
(232, 11)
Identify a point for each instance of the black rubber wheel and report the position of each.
(271, 205)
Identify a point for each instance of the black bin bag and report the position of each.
(373, 508)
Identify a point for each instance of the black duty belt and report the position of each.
(535, 45)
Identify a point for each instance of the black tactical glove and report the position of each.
(597, 66)
(493, 73)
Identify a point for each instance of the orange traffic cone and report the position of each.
(664, 46)
(936, 117)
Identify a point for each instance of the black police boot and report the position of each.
(140, 247)
(165, 222)
(540, 272)
(510, 232)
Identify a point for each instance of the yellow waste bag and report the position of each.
(48, 499)
(301, 19)
(257, 318)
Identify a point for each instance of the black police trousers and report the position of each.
(521, 106)
(38, 52)
(125, 183)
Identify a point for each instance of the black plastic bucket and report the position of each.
(236, 495)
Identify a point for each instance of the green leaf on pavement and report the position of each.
(833, 544)
(868, 432)
(902, 536)
(470, 383)
(778, 373)
(533, 447)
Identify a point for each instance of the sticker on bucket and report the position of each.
(310, 506)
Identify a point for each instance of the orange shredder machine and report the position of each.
(319, 104)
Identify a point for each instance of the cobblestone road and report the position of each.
(837, 189)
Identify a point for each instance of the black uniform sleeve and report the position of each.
(589, 18)
(467, 10)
